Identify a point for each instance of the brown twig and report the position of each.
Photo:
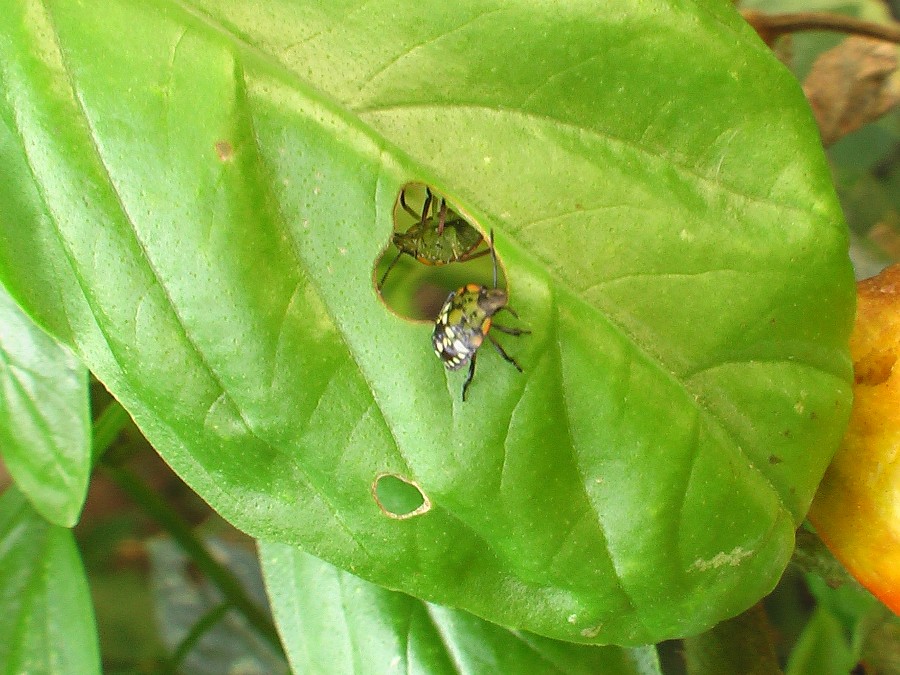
(772, 26)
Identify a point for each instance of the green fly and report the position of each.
(438, 237)
(464, 322)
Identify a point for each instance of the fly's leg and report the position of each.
(506, 357)
(442, 218)
(471, 256)
(426, 207)
(406, 206)
(389, 268)
(510, 331)
(509, 309)
(469, 376)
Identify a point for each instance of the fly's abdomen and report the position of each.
(456, 338)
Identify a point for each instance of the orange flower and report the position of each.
(857, 509)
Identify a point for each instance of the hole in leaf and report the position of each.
(434, 250)
(398, 497)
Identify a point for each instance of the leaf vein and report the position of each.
(381, 70)
(601, 135)
(580, 473)
(555, 77)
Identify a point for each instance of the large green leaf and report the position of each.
(46, 617)
(333, 622)
(45, 421)
(206, 190)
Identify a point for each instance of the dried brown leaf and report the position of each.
(853, 84)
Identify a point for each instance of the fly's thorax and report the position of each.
(462, 308)
(472, 304)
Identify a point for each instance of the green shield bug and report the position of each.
(438, 237)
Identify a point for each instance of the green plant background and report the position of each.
(199, 218)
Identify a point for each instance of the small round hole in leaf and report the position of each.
(398, 497)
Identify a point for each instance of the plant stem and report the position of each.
(772, 26)
(107, 427)
(198, 630)
(219, 575)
